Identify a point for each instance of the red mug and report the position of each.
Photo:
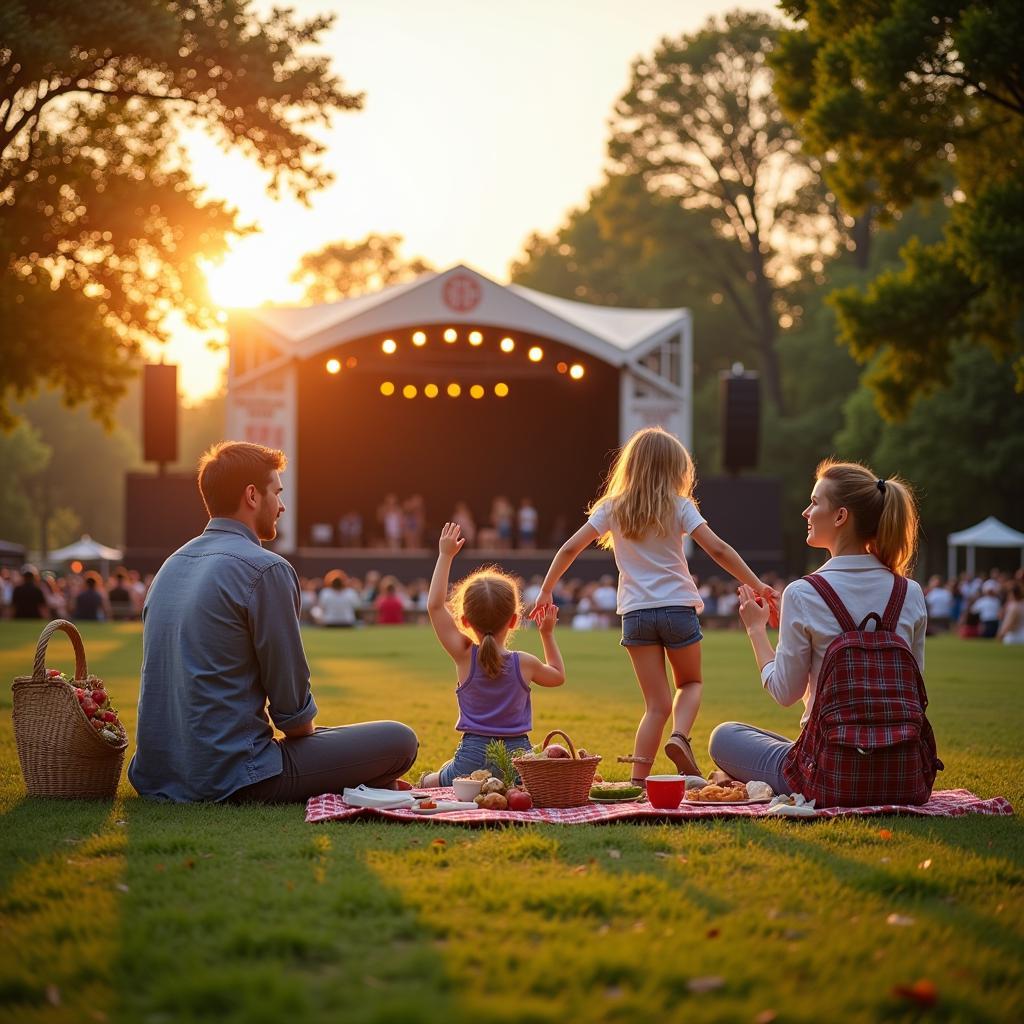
(665, 791)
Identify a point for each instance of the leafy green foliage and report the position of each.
(700, 124)
(232, 914)
(342, 269)
(101, 227)
(902, 96)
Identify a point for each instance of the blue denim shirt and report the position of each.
(220, 642)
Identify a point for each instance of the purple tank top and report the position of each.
(494, 707)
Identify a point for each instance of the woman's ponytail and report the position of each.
(895, 541)
(884, 512)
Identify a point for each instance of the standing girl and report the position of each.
(645, 510)
(494, 682)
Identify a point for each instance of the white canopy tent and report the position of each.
(85, 549)
(989, 533)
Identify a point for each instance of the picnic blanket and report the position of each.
(948, 803)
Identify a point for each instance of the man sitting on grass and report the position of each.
(221, 642)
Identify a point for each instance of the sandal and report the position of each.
(680, 753)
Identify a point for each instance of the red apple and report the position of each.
(519, 800)
(97, 724)
(100, 696)
(89, 707)
(555, 750)
(109, 716)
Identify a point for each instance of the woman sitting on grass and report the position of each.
(869, 527)
(494, 682)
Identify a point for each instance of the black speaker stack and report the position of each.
(741, 419)
(160, 413)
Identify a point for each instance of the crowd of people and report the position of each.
(400, 523)
(976, 606)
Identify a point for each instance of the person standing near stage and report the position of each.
(222, 647)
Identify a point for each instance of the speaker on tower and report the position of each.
(741, 418)
(160, 412)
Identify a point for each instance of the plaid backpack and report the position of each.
(867, 740)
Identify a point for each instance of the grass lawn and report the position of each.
(150, 913)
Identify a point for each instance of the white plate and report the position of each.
(727, 803)
(445, 805)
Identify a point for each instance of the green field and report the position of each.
(149, 913)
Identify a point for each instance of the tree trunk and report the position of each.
(767, 331)
(862, 235)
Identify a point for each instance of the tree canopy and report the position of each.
(700, 124)
(102, 229)
(904, 97)
(343, 269)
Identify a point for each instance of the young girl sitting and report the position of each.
(494, 683)
(646, 508)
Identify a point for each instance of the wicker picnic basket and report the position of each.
(558, 781)
(61, 754)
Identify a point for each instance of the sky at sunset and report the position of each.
(482, 122)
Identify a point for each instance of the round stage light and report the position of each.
(501, 390)
(351, 362)
(536, 354)
(576, 371)
(476, 391)
(409, 391)
(333, 365)
(387, 388)
(476, 338)
(507, 344)
(431, 391)
(454, 391)
(419, 339)
(562, 367)
(451, 335)
(388, 345)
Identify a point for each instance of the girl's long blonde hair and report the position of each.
(884, 517)
(650, 472)
(487, 599)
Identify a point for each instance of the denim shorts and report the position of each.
(677, 626)
(470, 755)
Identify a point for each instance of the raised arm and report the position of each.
(564, 557)
(452, 639)
(550, 671)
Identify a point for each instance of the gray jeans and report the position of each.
(748, 753)
(331, 759)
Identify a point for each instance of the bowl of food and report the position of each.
(466, 788)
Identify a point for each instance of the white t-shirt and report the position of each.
(987, 608)
(338, 607)
(807, 625)
(652, 571)
(940, 603)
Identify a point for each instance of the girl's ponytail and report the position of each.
(895, 542)
(489, 658)
(884, 511)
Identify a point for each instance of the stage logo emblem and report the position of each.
(461, 293)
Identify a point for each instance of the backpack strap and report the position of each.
(891, 615)
(831, 598)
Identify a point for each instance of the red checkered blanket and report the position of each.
(948, 803)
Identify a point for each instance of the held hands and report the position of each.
(771, 596)
(451, 541)
(540, 606)
(546, 619)
(755, 611)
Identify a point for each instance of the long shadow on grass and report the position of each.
(35, 828)
(917, 893)
(248, 914)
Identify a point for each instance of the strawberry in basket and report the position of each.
(95, 704)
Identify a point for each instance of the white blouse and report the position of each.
(807, 625)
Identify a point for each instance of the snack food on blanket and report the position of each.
(606, 790)
(759, 791)
(727, 793)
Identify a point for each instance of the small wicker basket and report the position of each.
(558, 781)
(60, 752)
